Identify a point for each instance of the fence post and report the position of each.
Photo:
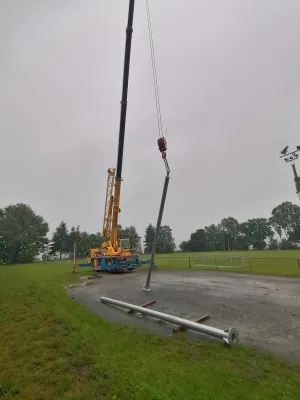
(216, 264)
(298, 262)
(250, 264)
(74, 255)
(169, 261)
(190, 265)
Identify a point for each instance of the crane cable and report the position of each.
(159, 119)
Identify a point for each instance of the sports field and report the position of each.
(259, 262)
(52, 347)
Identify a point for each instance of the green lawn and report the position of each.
(258, 262)
(52, 348)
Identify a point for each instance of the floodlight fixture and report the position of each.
(290, 158)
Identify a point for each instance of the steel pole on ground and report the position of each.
(160, 214)
(230, 336)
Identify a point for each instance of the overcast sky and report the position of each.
(229, 82)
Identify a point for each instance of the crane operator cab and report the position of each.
(124, 244)
(124, 247)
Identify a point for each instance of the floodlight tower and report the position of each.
(290, 158)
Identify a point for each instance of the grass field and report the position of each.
(52, 348)
(261, 262)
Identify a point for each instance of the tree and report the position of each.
(286, 218)
(230, 230)
(255, 231)
(185, 246)
(23, 234)
(273, 244)
(286, 244)
(95, 240)
(214, 237)
(149, 238)
(197, 242)
(83, 244)
(296, 234)
(74, 236)
(165, 242)
(60, 242)
(130, 233)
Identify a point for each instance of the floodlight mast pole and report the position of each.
(296, 180)
(290, 158)
(147, 286)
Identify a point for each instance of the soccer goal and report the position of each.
(216, 262)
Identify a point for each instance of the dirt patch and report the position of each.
(264, 309)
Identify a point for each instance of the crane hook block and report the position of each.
(162, 146)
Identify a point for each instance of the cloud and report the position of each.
(229, 83)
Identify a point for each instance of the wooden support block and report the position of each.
(145, 305)
(184, 328)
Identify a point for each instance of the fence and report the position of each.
(264, 265)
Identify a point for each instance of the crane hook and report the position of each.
(162, 146)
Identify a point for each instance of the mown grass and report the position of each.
(52, 348)
(259, 262)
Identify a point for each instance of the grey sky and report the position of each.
(229, 82)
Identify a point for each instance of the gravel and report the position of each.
(264, 309)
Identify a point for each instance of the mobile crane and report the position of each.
(115, 254)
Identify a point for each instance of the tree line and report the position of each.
(63, 240)
(255, 233)
(24, 236)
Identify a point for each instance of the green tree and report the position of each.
(185, 246)
(255, 232)
(73, 236)
(149, 238)
(165, 242)
(286, 218)
(95, 239)
(130, 233)
(198, 241)
(273, 244)
(286, 244)
(23, 234)
(230, 230)
(60, 242)
(296, 233)
(83, 244)
(214, 237)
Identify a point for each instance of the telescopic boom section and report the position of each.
(107, 220)
(116, 207)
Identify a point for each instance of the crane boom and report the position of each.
(107, 220)
(116, 206)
